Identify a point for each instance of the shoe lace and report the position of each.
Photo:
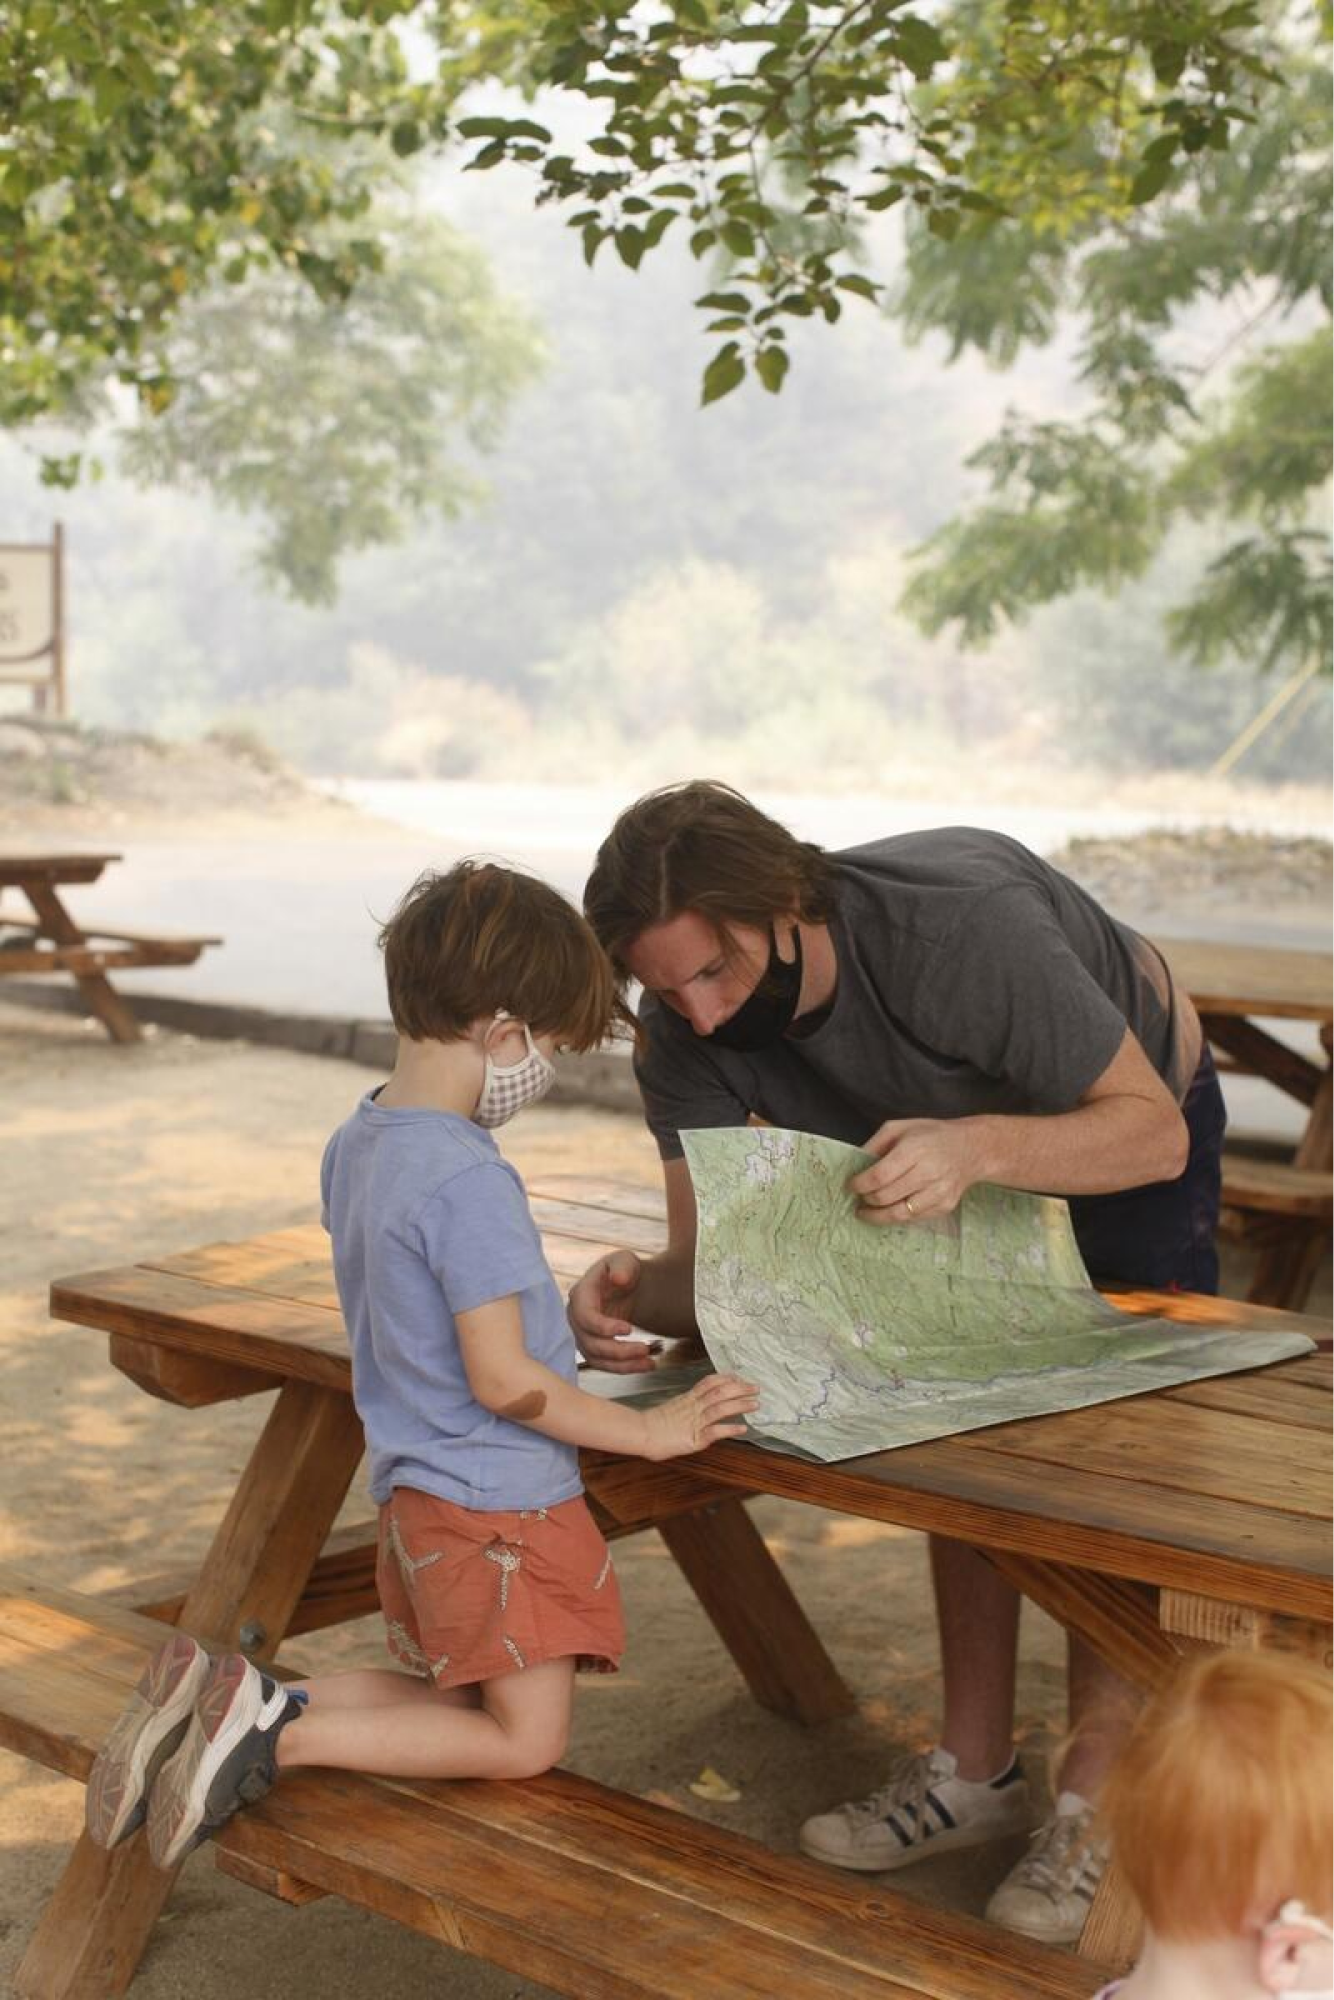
(907, 1785)
(1057, 1854)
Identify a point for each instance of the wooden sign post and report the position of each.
(32, 619)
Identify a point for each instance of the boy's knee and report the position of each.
(530, 1754)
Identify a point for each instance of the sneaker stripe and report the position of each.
(942, 1811)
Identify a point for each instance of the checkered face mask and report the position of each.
(505, 1091)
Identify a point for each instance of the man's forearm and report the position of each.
(1099, 1148)
(664, 1301)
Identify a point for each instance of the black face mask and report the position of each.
(764, 1016)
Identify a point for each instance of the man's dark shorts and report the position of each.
(1164, 1236)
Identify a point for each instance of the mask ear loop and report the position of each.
(501, 1016)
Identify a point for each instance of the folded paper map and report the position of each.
(864, 1337)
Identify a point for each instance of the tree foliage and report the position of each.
(147, 148)
(1238, 436)
(338, 422)
(150, 146)
(1018, 107)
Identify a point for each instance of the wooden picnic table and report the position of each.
(50, 940)
(1199, 1514)
(1280, 1208)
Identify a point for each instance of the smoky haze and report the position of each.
(648, 587)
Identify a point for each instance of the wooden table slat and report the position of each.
(1261, 980)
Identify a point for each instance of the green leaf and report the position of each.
(771, 365)
(630, 245)
(736, 302)
(865, 288)
(482, 128)
(1151, 179)
(920, 45)
(725, 372)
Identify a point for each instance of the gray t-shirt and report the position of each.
(972, 977)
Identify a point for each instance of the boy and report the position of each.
(495, 1583)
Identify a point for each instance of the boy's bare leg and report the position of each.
(978, 1615)
(519, 1730)
(381, 1687)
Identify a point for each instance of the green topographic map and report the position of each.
(862, 1338)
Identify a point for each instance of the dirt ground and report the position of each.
(178, 1141)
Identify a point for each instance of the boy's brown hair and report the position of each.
(482, 937)
(1219, 1807)
(701, 846)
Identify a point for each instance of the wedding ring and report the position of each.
(908, 1205)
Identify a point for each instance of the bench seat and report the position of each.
(26, 946)
(593, 1892)
(1273, 1187)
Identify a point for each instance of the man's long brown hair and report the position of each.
(701, 846)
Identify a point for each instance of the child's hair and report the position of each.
(482, 937)
(1219, 1806)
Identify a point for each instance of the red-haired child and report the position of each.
(1219, 1814)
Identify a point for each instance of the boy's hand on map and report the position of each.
(924, 1167)
(598, 1306)
(710, 1411)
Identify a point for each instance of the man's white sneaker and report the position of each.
(1049, 1893)
(924, 1808)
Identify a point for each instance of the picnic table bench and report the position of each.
(1280, 1208)
(1194, 1515)
(594, 1893)
(51, 941)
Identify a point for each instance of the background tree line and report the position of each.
(223, 267)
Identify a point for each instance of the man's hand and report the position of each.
(923, 1167)
(706, 1413)
(599, 1306)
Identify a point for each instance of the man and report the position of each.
(965, 1013)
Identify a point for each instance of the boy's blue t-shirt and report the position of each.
(428, 1220)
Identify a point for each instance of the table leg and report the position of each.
(724, 1559)
(93, 1931)
(1284, 1274)
(103, 1000)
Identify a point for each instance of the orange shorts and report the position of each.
(468, 1596)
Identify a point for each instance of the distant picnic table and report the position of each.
(1280, 1208)
(50, 940)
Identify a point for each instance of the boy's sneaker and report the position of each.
(226, 1760)
(1049, 1893)
(924, 1808)
(140, 1743)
